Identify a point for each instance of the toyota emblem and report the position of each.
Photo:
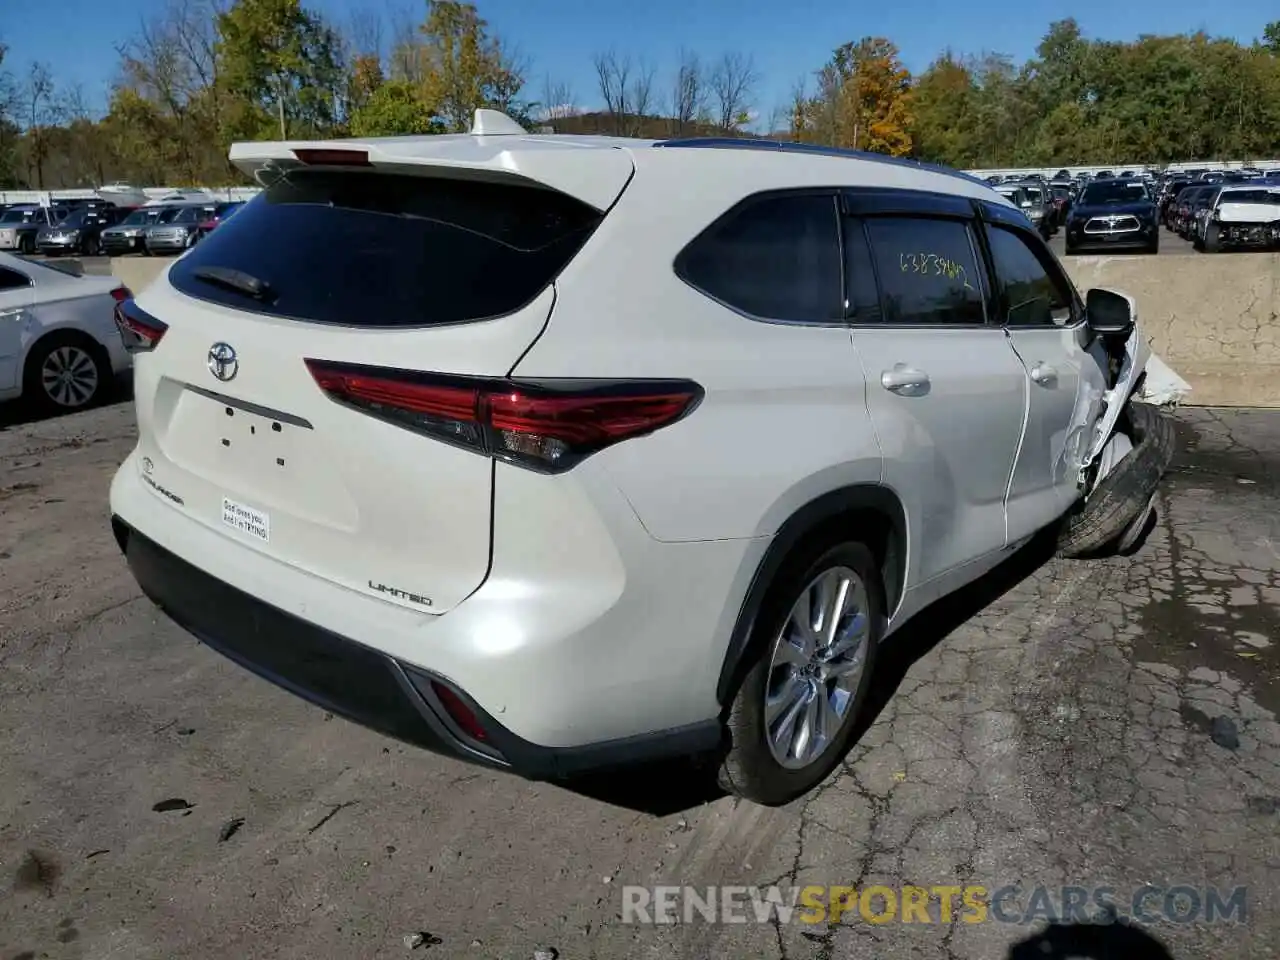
(222, 361)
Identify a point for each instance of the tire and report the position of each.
(752, 768)
(1211, 242)
(1069, 250)
(1155, 247)
(27, 245)
(83, 360)
(1123, 495)
(91, 247)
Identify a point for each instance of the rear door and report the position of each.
(379, 270)
(16, 297)
(946, 393)
(1065, 366)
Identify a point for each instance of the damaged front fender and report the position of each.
(1127, 361)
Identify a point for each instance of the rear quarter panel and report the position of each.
(784, 416)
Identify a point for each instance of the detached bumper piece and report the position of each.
(365, 685)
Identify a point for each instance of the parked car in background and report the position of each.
(1200, 213)
(1062, 194)
(1019, 195)
(1167, 196)
(1182, 208)
(1247, 215)
(1115, 214)
(80, 232)
(221, 212)
(1198, 210)
(127, 236)
(60, 348)
(1040, 207)
(177, 230)
(20, 225)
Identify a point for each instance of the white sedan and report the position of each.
(59, 345)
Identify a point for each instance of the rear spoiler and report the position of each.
(498, 150)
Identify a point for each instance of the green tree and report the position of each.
(946, 104)
(394, 108)
(280, 62)
(464, 68)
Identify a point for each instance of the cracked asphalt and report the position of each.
(1108, 723)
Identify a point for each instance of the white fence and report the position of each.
(1267, 166)
(152, 193)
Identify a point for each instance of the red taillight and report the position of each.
(138, 329)
(333, 158)
(121, 294)
(545, 426)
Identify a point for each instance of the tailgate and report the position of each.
(359, 269)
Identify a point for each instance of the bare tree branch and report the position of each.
(613, 74)
(688, 94)
(641, 97)
(364, 33)
(733, 81)
(40, 111)
(558, 101)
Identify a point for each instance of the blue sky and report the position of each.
(789, 39)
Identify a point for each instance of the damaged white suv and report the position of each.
(555, 453)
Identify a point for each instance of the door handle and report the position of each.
(1044, 374)
(903, 378)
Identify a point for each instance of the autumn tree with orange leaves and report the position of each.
(863, 101)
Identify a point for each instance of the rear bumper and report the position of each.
(366, 685)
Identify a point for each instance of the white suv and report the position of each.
(561, 452)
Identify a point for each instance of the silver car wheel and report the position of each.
(816, 667)
(69, 376)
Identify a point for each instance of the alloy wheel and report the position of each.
(816, 667)
(69, 376)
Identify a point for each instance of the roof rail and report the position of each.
(785, 146)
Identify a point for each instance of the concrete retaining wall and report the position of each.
(137, 272)
(1215, 319)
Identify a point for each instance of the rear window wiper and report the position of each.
(235, 280)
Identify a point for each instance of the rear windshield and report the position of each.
(382, 250)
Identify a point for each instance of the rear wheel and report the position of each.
(814, 647)
(65, 372)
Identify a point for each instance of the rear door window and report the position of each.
(383, 250)
(928, 270)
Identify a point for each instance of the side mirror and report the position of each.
(1110, 314)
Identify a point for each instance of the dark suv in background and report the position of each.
(1115, 214)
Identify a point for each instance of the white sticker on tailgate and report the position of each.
(256, 523)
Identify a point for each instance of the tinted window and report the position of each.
(777, 258)
(137, 217)
(372, 249)
(12, 279)
(1030, 291)
(928, 271)
(1114, 191)
(861, 294)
